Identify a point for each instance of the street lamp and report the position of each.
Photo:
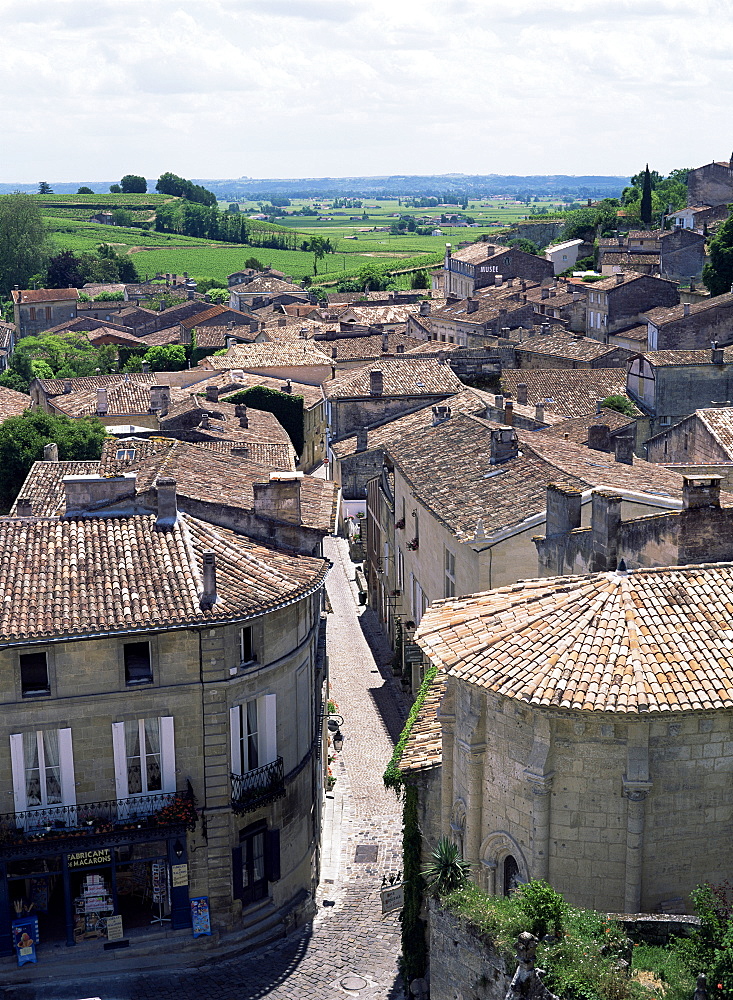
(334, 728)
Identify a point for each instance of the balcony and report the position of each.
(258, 787)
(53, 829)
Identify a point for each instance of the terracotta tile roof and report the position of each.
(488, 310)
(412, 377)
(563, 345)
(448, 469)
(216, 336)
(576, 428)
(610, 283)
(424, 746)
(55, 386)
(477, 253)
(44, 488)
(663, 359)
(29, 296)
(207, 476)
(719, 421)
(269, 355)
(76, 577)
(366, 348)
(223, 421)
(654, 640)
(433, 347)
(272, 455)
(573, 391)
(12, 403)
(629, 258)
(638, 332)
(120, 336)
(468, 401)
(266, 286)
(124, 397)
(646, 234)
(669, 314)
(171, 335)
(209, 312)
(232, 381)
(374, 315)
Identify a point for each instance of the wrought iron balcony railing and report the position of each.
(49, 828)
(258, 787)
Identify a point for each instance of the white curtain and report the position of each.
(152, 755)
(32, 770)
(53, 767)
(132, 752)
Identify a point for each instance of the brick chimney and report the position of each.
(279, 498)
(362, 438)
(208, 595)
(376, 382)
(51, 452)
(212, 393)
(701, 491)
(167, 504)
(504, 445)
(522, 393)
(599, 437)
(624, 449)
(563, 509)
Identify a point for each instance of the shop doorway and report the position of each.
(36, 888)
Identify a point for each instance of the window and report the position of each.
(34, 674)
(32, 312)
(144, 754)
(255, 862)
(400, 570)
(43, 769)
(48, 312)
(450, 574)
(246, 650)
(137, 663)
(253, 733)
(125, 454)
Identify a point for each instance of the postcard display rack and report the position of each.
(92, 908)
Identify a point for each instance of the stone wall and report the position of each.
(541, 233)
(680, 389)
(350, 415)
(710, 185)
(463, 963)
(689, 441)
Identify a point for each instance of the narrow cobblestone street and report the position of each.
(362, 841)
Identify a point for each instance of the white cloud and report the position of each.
(314, 87)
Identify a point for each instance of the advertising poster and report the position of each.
(200, 920)
(25, 939)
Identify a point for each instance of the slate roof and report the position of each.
(62, 578)
(448, 469)
(654, 640)
(12, 403)
(412, 377)
(573, 391)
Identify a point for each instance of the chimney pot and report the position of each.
(208, 597)
(51, 452)
(167, 504)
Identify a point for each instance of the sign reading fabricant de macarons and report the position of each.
(86, 859)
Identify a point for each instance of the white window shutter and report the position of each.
(120, 756)
(167, 754)
(235, 735)
(66, 759)
(267, 723)
(16, 760)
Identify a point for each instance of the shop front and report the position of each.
(96, 879)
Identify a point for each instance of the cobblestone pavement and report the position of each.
(348, 937)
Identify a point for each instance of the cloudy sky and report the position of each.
(93, 89)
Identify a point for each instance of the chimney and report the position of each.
(424, 309)
(686, 309)
(499, 403)
(697, 491)
(102, 403)
(334, 352)
(620, 240)
(212, 393)
(539, 412)
(288, 278)
(160, 397)
(599, 437)
(522, 393)
(504, 445)
(498, 280)
(208, 597)
(288, 387)
(23, 508)
(563, 509)
(240, 410)
(717, 354)
(385, 343)
(241, 450)
(509, 413)
(506, 333)
(87, 492)
(620, 278)
(605, 523)
(204, 422)
(279, 498)
(442, 357)
(400, 348)
(167, 504)
(244, 422)
(441, 413)
(51, 452)
(67, 386)
(362, 438)
(624, 447)
(146, 367)
(545, 329)
(376, 382)
(545, 293)
(471, 305)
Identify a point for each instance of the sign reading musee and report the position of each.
(85, 859)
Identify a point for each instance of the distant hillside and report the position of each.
(388, 186)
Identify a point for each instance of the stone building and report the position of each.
(468, 322)
(690, 326)
(701, 444)
(619, 301)
(162, 696)
(36, 310)
(711, 184)
(478, 266)
(563, 392)
(585, 730)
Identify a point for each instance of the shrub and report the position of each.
(622, 404)
(447, 870)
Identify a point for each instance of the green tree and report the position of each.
(219, 296)
(254, 263)
(718, 272)
(528, 246)
(133, 184)
(24, 242)
(646, 198)
(44, 188)
(168, 358)
(85, 190)
(622, 404)
(419, 280)
(122, 217)
(19, 373)
(22, 440)
(63, 271)
(115, 189)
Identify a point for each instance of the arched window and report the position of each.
(511, 875)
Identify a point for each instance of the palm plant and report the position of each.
(447, 871)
